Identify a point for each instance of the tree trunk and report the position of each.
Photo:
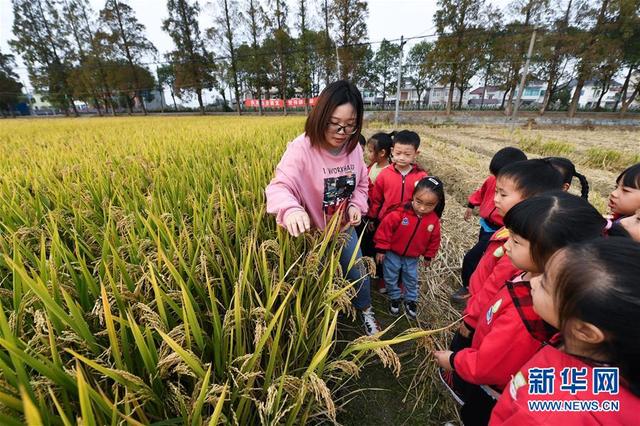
(199, 94)
(549, 91)
(625, 87)
(573, 106)
(452, 85)
(512, 91)
(97, 103)
(629, 101)
(173, 97)
(504, 97)
(605, 89)
(460, 98)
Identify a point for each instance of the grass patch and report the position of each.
(609, 159)
(553, 148)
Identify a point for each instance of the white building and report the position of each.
(592, 90)
(492, 97)
(439, 95)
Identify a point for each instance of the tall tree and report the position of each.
(226, 21)
(591, 48)
(326, 46)
(127, 35)
(167, 77)
(350, 17)
(306, 42)
(43, 43)
(281, 41)
(386, 63)
(555, 52)
(629, 34)
(193, 64)
(10, 87)
(456, 22)
(418, 71)
(253, 62)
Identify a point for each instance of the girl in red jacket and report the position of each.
(510, 331)
(406, 233)
(515, 182)
(589, 292)
(625, 199)
(490, 219)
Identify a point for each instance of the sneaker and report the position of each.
(411, 309)
(394, 306)
(461, 295)
(369, 322)
(446, 376)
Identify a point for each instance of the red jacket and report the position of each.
(405, 233)
(509, 333)
(393, 189)
(512, 407)
(494, 269)
(483, 197)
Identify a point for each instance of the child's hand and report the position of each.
(297, 222)
(468, 213)
(380, 257)
(426, 263)
(442, 358)
(355, 215)
(464, 330)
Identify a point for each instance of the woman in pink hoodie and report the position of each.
(323, 172)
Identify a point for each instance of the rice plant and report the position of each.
(142, 283)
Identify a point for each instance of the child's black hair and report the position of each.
(361, 140)
(532, 177)
(597, 282)
(568, 170)
(407, 137)
(551, 220)
(505, 156)
(630, 177)
(435, 185)
(382, 141)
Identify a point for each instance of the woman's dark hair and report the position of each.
(361, 140)
(532, 177)
(630, 177)
(382, 141)
(551, 220)
(435, 185)
(568, 170)
(597, 282)
(337, 93)
(407, 137)
(505, 156)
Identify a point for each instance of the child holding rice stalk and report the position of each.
(406, 233)
(322, 173)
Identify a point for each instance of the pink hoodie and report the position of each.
(315, 180)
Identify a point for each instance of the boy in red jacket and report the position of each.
(394, 185)
(405, 234)
(490, 219)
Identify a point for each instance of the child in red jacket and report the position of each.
(405, 234)
(490, 219)
(394, 185)
(590, 292)
(625, 198)
(510, 331)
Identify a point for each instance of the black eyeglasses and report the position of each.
(337, 127)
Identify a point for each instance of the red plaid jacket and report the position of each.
(508, 334)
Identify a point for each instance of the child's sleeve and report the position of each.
(503, 350)
(282, 193)
(475, 199)
(434, 242)
(384, 234)
(503, 271)
(377, 196)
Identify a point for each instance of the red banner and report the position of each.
(279, 104)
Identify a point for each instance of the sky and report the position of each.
(388, 19)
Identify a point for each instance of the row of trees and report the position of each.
(253, 46)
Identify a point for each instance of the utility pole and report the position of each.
(338, 62)
(525, 71)
(395, 120)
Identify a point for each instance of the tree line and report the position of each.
(251, 47)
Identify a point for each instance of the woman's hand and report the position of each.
(297, 222)
(442, 358)
(355, 215)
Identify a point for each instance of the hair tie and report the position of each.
(608, 225)
(433, 181)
